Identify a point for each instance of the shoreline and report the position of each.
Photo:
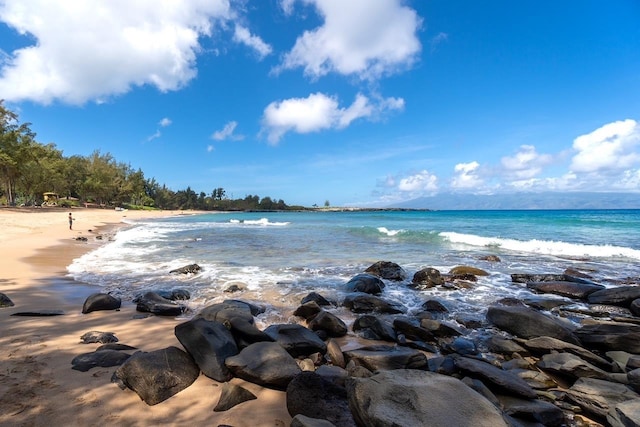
(37, 385)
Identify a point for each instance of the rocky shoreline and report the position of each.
(535, 361)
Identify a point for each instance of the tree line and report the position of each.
(29, 169)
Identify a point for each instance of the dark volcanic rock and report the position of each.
(266, 364)
(151, 302)
(96, 336)
(39, 313)
(542, 345)
(227, 310)
(528, 323)
(157, 375)
(209, 343)
(175, 294)
(366, 283)
(566, 289)
(427, 278)
(5, 301)
(296, 339)
(334, 352)
(187, 269)
(625, 414)
(571, 366)
(440, 329)
(307, 310)
(232, 395)
(545, 413)
(526, 278)
(100, 301)
(303, 421)
(599, 396)
(383, 357)
(319, 299)
(621, 295)
(98, 358)
(465, 270)
(373, 327)
(494, 376)
(387, 270)
(635, 307)
(365, 303)
(419, 399)
(245, 333)
(328, 322)
(411, 329)
(312, 395)
(611, 336)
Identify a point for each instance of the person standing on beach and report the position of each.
(70, 221)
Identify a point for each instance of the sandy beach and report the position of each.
(38, 386)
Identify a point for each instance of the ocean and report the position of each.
(277, 258)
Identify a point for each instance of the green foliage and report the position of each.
(28, 169)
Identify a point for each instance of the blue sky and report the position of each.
(359, 102)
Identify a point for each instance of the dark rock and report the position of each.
(232, 395)
(598, 397)
(98, 358)
(384, 357)
(82, 239)
(264, 363)
(543, 303)
(635, 307)
(387, 270)
(365, 303)
(528, 323)
(5, 301)
(366, 283)
(115, 346)
(209, 343)
(39, 313)
(625, 414)
(497, 344)
(175, 294)
(187, 269)
(335, 374)
(234, 288)
(157, 375)
(96, 336)
(435, 306)
(227, 310)
(319, 299)
(296, 339)
(312, 395)
(100, 301)
(621, 295)
(479, 386)
(633, 378)
(542, 345)
(334, 352)
(151, 302)
(427, 278)
(611, 336)
(571, 366)
(378, 329)
(440, 329)
(245, 333)
(536, 379)
(526, 278)
(411, 328)
(490, 258)
(565, 289)
(492, 376)
(307, 310)
(302, 421)
(461, 346)
(328, 322)
(464, 270)
(539, 411)
(418, 399)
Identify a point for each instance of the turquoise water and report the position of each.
(277, 258)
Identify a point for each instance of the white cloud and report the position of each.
(611, 147)
(244, 36)
(364, 38)
(156, 135)
(94, 50)
(526, 163)
(466, 176)
(165, 122)
(319, 112)
(438, 39)
(287, 6)
(227, 132)
(422, 182)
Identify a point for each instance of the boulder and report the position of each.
(411, 329)
(98, 358)
(545, 413)
(39, 313)
(302, 421)
(464, 270)
(365, 303)
(334, 352)
(311, 395)
(151, 302)
(296, 339)
(526, 278)
(175, 294)
(187, 269)
(374, 328)
(635, 307)
(625, 414)
(528, 323)
(494, 377)
(418, 398)
(621, 295)
(335, 374)
(461, 346)
(319, 299)
(227, 310)
(308, 310)
(385, 357)
(329, 323)
(609, 336)
(100, 301)
(232, 395)
(209, 343)
(264, 363)
(565, 289)
(245, 333)
(157, 375)
(598, 397)
(498, 344)
(5, 301)
(387, 270)
(427, 278)
(97, 336)
(366, 283)
(440, 329)
(571, 366)
(543, 345)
